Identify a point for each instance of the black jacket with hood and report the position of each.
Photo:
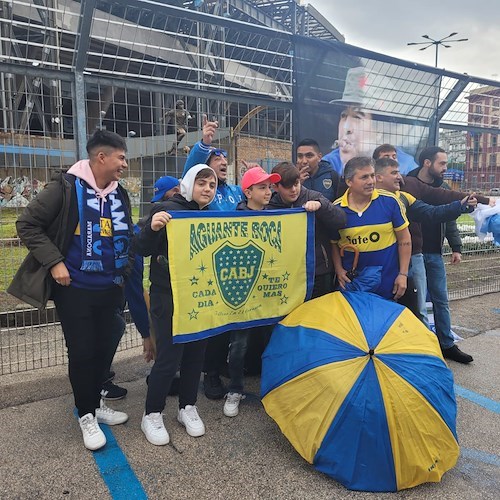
(328, 219)
(324, 181)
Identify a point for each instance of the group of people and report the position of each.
(86, 254)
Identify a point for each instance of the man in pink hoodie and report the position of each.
(78, 231)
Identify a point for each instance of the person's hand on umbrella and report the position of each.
(342, 277)
(400, 285)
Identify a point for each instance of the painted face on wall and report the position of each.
(356, 134)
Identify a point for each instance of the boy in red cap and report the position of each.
(256, 184)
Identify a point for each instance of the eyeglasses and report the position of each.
(219, 152)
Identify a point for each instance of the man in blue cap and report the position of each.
(165, 187)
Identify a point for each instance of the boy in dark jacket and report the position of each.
(290, 194)
(78, 231)
(198, 189)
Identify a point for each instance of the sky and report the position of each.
(386, 26)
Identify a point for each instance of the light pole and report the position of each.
(443, 41)
(429, 43)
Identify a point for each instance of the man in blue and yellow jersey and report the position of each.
(377, 226)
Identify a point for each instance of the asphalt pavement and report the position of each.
(42, 454)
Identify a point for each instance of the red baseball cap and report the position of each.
(257, 175)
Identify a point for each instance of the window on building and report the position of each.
(493, 160)
(494, 141)
(474, 181)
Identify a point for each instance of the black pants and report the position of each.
(90, 320)
(323, 284)
(410, 299)
(168, 358)
(116, 336)
(216, 354)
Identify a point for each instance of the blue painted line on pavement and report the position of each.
(115, 469)
(480, 400)
(480, 456)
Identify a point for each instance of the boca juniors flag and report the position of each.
(234, 270)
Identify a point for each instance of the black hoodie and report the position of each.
(328, 219)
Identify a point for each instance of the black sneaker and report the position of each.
(110, 376)
(112, 392)
(213, 387)
(456, 354)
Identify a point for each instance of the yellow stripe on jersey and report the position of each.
(369, 238)
(411, 199)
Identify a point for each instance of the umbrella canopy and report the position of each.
(359, 387)
(366, 280)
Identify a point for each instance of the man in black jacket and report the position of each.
(433, 161)
(78, 231)
(290, 194)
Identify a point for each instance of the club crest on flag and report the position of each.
(236, 271)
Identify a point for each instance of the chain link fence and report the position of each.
(71, 67)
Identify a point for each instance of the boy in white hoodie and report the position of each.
(78, 231)
(197, 192)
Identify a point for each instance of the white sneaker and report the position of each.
(154, 429)
(106, 415)
(232, 403)
(93, 437)
(190, 419)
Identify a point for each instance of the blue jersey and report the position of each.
(373, 232)
(227, 196)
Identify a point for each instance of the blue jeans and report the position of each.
(417, 272)
(236, 365)
(438, 292)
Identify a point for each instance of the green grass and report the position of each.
(465, 219)
(11, 257)
(8, 217)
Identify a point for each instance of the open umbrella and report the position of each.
(359, 387)
(366, 280)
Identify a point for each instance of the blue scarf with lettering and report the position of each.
(90, 210)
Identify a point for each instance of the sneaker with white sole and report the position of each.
(231, 406)
(154, 429)
(112, 392)
(93, 437)
(190, 419)
(106, 415)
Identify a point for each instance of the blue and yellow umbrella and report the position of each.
(360, 389)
